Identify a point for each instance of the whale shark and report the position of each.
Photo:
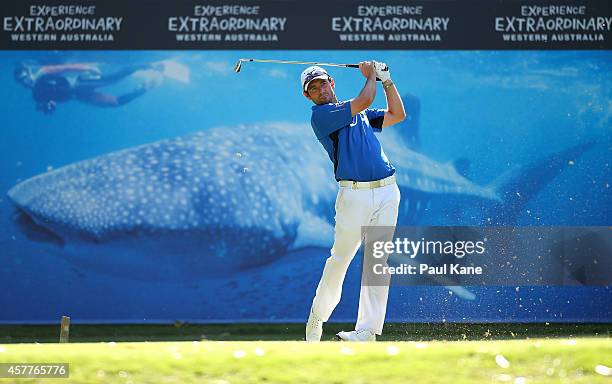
(236, 194)
(227, 199)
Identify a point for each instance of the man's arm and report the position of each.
(368, 93)
(395, 107)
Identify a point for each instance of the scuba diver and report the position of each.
(53, 84)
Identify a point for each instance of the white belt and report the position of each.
(368, 184)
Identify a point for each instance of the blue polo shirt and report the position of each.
(350, 141)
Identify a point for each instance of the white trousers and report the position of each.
(356, 208)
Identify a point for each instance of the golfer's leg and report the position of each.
(373, 299)
(351, 214)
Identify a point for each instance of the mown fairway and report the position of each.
(560, 360)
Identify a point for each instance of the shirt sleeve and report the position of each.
(376, 118)
(326, 119)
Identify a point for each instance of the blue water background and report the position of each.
(498, 109)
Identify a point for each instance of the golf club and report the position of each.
(238, 65)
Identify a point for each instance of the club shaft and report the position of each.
(301, 63)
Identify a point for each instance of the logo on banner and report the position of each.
(61, 23)
(390, 23)
(227, 23)
(553, 23)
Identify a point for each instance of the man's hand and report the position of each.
(382, 71)
(367, 69)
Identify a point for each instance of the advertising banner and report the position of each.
(167, 161)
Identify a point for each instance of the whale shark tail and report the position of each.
(518, 186)
(410, 126)
(406, 132)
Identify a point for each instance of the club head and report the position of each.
(238, 66)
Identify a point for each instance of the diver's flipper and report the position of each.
(174, 70)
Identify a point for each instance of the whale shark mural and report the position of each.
(233, 198)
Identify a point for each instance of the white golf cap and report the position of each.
(312, 73)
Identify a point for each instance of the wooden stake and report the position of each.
(64, 329)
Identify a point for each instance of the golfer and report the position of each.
(367, 195)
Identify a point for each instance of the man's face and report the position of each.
(320, 91)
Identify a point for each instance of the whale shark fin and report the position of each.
(314, 231)
(408, 130)
(462, 166)
(518, 186)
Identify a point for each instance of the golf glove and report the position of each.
(382, 73)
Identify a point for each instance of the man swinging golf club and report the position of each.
(368, 194)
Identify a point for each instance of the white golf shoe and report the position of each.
(361, 335)
(314, 328)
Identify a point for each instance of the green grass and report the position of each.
(285, 332)
(536, 360)
(408, 353)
